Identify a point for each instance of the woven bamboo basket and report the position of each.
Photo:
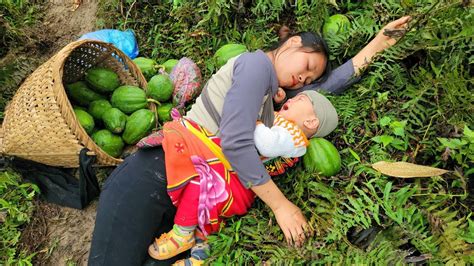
(39, 122)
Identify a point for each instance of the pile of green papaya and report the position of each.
(160, 86)
(115, 114)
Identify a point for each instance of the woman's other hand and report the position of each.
(387, 37)
(292, 222)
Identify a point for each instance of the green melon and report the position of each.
(147, 66)
(85, 119)
(228, 51)
(108, 142)
(114, 120)
(322, 157)
(160, 88)
(80, 93)
(169, 64)
(129, 99)
(102, 80)
(97, 108)
(138, 125)
(164, 112)
(336, 24)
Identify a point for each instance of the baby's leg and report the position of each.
(199, 253)
(176, 241)
(181, 237)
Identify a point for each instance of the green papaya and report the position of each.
(138, 125)
(160, 88)
(335, 24)
(321, 156)
(85, 119)
(169, 64)
(114, 120)
(102, 80)
(81, 94)
(129, 99)
(164, 112)
(147, 66)
(97, 108)
(108, 142)
(228, 51)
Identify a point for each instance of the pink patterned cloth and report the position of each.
(187, 80)
(212, 190)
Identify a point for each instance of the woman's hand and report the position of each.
(389, 35)
(292, 222)
(386, 38)
(289, 217)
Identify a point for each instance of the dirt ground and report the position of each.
(60, 235)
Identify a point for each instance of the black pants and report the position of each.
(134, 207)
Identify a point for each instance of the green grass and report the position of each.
(414, 103)
(16, 19)
(16, 208)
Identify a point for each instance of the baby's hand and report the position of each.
(280, 96)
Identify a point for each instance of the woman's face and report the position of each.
(297, 66)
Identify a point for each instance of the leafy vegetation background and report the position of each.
(414, 103)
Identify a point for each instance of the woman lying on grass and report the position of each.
(135, 207)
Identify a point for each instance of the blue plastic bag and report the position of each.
(123, 40)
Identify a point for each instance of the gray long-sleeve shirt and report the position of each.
(252, 77)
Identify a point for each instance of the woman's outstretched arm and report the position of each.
(378, 44)
(348, 73)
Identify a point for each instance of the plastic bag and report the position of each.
(123, 40)
(187, 79)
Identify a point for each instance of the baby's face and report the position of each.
(298, 109)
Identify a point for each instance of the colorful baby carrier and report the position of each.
(192, 154)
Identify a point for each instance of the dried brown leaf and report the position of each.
(406, 170)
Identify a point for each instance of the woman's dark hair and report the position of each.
(316, 43)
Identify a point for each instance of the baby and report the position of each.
(306, 115)
(298, 119)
